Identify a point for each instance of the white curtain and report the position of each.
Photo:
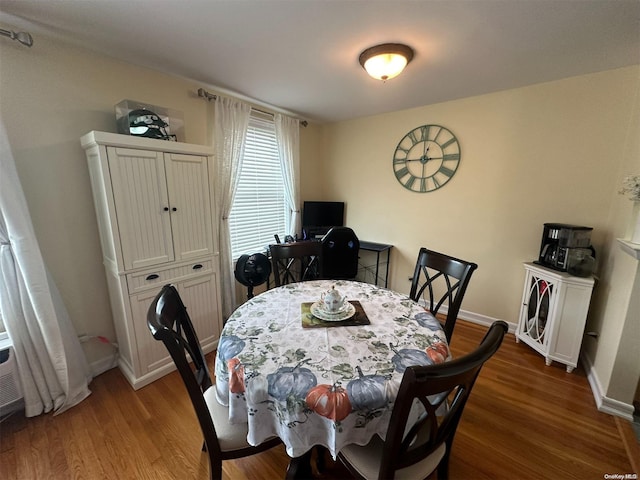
(288, 138)
(53, 370)
(231, 122)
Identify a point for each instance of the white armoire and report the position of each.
(155, 205)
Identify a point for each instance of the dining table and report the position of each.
(290, 369)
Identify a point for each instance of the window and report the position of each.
(259, 209)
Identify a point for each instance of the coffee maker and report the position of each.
(562, 244)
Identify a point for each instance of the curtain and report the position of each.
(230, 129)
(288, 138)
(53, 370)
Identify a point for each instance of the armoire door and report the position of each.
(190, 205)
(142, 206)
(199, 296)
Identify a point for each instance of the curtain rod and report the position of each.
(210, 96)
(23, 37)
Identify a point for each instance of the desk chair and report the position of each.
(169, 322)
(340, 247)
(438, 277)
(295, 261)
(426, 446)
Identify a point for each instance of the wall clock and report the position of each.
(426, 158)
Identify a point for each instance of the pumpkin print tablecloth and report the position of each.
(321, 386)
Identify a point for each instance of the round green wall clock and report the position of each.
(426, 158)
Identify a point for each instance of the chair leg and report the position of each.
(300, 467)
(443, 466)
(320, 458)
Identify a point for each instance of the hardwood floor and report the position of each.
(524, 420)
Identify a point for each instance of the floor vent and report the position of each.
(10, 391)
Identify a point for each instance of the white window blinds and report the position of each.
(259, 209)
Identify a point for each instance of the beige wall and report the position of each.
(50, 95)
(551, 152)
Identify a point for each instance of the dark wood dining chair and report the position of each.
(169, 322)
(296, 261)
(438, 278)
(340, 247)
(443, 390)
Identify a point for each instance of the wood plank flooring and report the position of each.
(524, 420)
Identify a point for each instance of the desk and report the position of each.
(321, 386)
(378, 248)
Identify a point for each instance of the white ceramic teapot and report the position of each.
(332, 300)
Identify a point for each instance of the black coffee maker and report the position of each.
(562, 244)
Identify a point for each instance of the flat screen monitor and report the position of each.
(319, 217)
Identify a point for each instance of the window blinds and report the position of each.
(259, 209)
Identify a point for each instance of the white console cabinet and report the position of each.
(154, 203)
(553, 313)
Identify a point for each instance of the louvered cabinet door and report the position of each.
(142, 206)
(190, 205)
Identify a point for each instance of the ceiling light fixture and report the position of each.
(386, 61)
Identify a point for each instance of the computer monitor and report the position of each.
(319, 217)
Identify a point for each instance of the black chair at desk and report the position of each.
(340, 247)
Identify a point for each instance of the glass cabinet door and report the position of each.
(538, 307)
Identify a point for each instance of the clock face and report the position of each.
(426, 158)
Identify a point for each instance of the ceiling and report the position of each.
(302, 56)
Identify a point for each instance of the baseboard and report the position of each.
(102, 365)
(604, 403)
(484, 320)
(113, 360)
(477, 318)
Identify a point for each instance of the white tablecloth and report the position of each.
(321, 386)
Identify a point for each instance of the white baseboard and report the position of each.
(478, 318)
(604, 403)
(102, 365)
(483, 319)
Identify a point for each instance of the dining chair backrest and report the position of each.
(169, 322)
(340, 247)
(296, 261)
(425, 445)
(440, 278)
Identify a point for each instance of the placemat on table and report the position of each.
(309, 321)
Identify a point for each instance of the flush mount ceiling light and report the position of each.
(386, 61)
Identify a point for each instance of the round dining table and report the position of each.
(310, 381)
